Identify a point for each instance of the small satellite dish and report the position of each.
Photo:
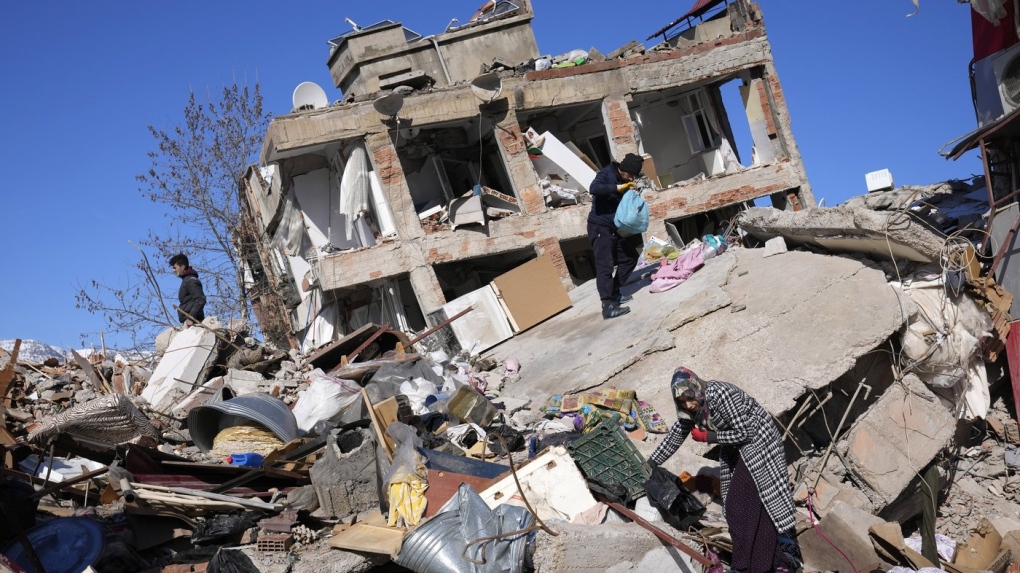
(389, 104)
(487, 87)
(309, 94)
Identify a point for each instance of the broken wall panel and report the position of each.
(898, 437)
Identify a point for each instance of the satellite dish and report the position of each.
(389, 104)
(309, 94)
(487, 87)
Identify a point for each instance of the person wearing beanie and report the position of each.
(610, 249)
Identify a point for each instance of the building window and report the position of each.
(700, 134)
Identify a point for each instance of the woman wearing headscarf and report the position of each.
(755, 488)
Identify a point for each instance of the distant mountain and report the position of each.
(34, 351)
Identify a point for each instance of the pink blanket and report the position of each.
(670, 274)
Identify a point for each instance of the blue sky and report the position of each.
(867, 88)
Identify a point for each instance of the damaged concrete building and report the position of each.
(427, 180)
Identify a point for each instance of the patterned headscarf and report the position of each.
(687, 386)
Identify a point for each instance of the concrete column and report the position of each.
(386, 163)
(619, 127)
(518, 165)
(426, 289)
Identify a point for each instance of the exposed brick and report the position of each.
(534, 201)
(201, 567)
(375, 274)
(529, 234)
(177, 568)
(551, 248)
(766, 108)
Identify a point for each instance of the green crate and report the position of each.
(606, 455)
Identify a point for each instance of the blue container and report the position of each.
(249, 460)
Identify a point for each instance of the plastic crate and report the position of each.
(607, 456)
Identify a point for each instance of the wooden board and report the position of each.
(531, 293)
(369, 535)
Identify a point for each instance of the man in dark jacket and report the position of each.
(610, 249)
(190, 295)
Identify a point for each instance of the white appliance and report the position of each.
(997, 84)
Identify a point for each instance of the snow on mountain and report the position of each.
(33, 351)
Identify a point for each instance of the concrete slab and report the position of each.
(774, 326)
(577, 350)
(896, 439)
(847, 528)
(617, 547)
(184, 361)
(845, 229)
(798, 321)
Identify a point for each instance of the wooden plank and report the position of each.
(369, 535)
(379, 430)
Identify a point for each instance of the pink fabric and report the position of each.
(670, 275)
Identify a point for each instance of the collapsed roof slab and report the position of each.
(774, 326)
(889, 235)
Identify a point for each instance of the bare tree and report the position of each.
(194, 172)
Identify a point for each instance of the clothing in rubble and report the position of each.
(609, 248)
(720, 413)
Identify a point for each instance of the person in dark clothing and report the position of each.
(610, 249)
(190, 295)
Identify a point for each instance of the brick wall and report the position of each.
(551, 247)
(515, 151)
(616, 115)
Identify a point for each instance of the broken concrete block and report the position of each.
(774, 246)
(1005, 526)
(897, 437)
(842, 229)
(847, 528)
(186, 358)
(243, 381)
(345, 479)
(614, 547)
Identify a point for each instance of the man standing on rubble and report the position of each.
(610, 249)
(190, 296)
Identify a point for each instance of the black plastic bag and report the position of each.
(514, 439)
(224, 528)
(672, 498)
(231, 561)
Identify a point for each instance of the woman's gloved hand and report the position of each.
(699, 435)
(624, 186)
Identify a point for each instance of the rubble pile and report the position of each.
(377, 450)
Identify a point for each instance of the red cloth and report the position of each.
(988, 38)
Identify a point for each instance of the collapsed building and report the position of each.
(428, 180)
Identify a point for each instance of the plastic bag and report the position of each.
(631, 215)
(417, 391)
(325, 398)
(669, 495)
(406, 479)
(224, 529)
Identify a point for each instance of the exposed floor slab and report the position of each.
(842, 229)
(774, 326)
